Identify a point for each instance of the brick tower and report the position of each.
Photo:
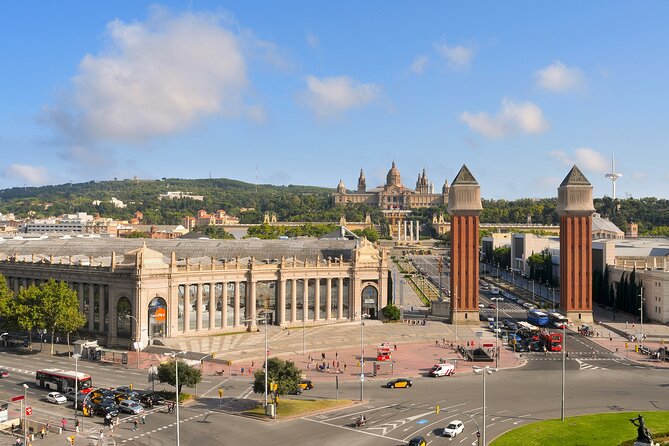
(575, 209)
(464, 206)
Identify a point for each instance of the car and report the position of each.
(512, 326)
(56, 398)
(399, 383)
(492, 306)
(130, 406)
(104, 408)
(4, 373)
(305, 384)
(154, 398)
(454, 428)
(481, 306)
(417, 441)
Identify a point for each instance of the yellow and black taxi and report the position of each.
(417, 441)
(399, 383)
(306, 384)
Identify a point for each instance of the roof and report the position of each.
(575, 178)
(464, 177)
(218, 249)
(602, 224)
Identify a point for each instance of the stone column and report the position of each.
(411, 231)
(328, 299)
(81, 297)
(417, 232)
(405, 230)
(224, 307)
(198, 314)
(251, 306)
(187, 307)
(317, 300)
(340, 299)
(236, 302)
(399, 231)
(281, 317)
(293, 301)
(91, 301)
(212, 306)
(102, 310)
(305, 299)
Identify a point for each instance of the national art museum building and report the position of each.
(176, 288)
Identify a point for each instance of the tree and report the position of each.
(370, 233)
(391, 312)
(189, 376)
(57, 303)
(283, 373)
(26, 310)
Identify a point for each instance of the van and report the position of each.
(494, 290)
(443, 369)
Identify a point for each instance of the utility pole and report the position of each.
(440, 267)
(564, 358)
(641, 299)
(454, 299)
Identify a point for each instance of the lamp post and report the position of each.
(23, 409)
(454, 301)
(478, 429)
(532, 290)
(263, 316)
(440, 268)
(304, 328)
(484, 371)
(137, 336)
(76, 357)
(641, 301)
(564, 369)
(175, 355)
(497, 333)
(362, 357)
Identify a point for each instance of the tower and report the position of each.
(341, 189)
(362, 183)
(575, 209)
(613, 175)
(464, 206)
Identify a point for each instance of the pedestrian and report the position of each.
(627, 324)
(143, 419)
(436, 343)
(63, 423)
(336, 355)
(102, 436)
(242, 371)
(395, 345)
(253, 364)
(345, 367)
(135, 424)
(323, 355)
(76, 425)
(333, 363)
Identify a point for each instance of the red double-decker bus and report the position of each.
(552, 341)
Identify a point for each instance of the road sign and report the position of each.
(17, 398)
(362, 377)
(29, 410)
(479, 334)
(488, 345)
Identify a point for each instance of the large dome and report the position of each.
(393, 177)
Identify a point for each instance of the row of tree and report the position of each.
(625, 296)
(51, 306)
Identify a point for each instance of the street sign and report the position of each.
(488, 345)
(479, 334)
(29, 410)
(17, 398)
(362, 377)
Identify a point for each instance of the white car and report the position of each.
(56, 398)
(454, 428)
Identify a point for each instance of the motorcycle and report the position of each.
(360, 422)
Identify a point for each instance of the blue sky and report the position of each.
(300, 92)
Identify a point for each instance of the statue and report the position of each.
(643, 434)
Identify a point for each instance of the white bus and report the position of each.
(62, 381)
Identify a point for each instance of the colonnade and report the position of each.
(410, 232)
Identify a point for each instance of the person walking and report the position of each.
(135, 424)
(63, 423)
(143, 419)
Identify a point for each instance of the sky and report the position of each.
(308, 93)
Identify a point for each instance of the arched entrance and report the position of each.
(370, 302)
(124, 323)
(157, 318)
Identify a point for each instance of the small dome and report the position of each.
(340, 187)
(393, 178)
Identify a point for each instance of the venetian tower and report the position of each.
(464, 206)
(575, 208)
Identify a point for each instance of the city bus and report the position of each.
(558, 320)
(537, 317)
(62, 381)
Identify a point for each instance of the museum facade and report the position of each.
(142, 290)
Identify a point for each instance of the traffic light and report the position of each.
(220, 393)
(71, 439)
(437, 409)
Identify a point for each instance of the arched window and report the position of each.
(157, 314)
(123, 309)
(370, 302)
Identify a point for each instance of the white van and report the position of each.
(494, 290)
(443, 369)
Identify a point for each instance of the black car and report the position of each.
(105, 407)
(399, 383)
(154, 398)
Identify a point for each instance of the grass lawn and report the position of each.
(609, 429)
(291, 408)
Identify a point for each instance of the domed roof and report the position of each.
(393, 178)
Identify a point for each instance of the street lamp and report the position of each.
(497, 333)
(484, 371)
(641, 300)
(23, 409)
(76, 357)
(263, 317)
(176, 376)
(564, 369)
(362, 357)
(137, 335)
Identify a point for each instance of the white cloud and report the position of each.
(312, 40)
(559, 77)
(457, 56)
(419, 64)
(156, 78)
(585, 158)
(330, 96)
(523, 117)
(23, 173)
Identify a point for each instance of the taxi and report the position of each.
(399, 383)
(417, 441)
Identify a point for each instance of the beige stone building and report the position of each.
(393, 195)
(175, 288)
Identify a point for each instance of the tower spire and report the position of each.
(613, 175)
